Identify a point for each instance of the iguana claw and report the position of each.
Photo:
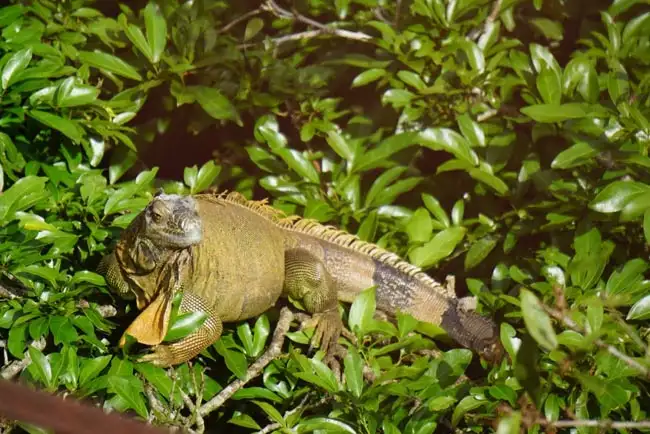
(160, 355)
(328, 328)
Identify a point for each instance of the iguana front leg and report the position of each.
(307, 280)
(181, 351)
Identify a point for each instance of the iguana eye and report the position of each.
(156, 216)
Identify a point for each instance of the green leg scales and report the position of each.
(307, 280)
(191, 345)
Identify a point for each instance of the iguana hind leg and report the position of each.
(307, 280)
(181, 351)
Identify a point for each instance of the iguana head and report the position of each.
(167, 226)
(474, 331)
(171, 221)
(483, 335)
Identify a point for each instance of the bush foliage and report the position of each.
(504, 142)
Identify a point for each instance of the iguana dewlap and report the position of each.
(233, 259)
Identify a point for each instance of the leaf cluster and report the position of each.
(503, 142)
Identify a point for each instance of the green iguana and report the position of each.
(233, 258)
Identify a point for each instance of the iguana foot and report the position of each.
(328, 329)
(162, 356)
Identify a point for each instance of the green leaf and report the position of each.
(270, 411)
(381, 183)
(378, 155)
(62, 330)
(625, 279)
(9, 14)
(439, 247)
(420, 226)
(159, 379)
(466, 404)
(156, 28)
(243, 420)
(510, 424)
(22, 195)
(576, 155)
(91, 368)
(549, 113)
(549, 86)
(261, 331)
(69, 128)
(445, 139)
(110, 63)
(342, 7)
(185, 324)
(253, 27)
(616, 195)
(353, 372)
(368, 76)
(504, 393)
(436, 209)
(235, 361)
(14, 66)
(71, 93)
(479, 251)
(136, 36)
(42, 365)
(129, 393)
(299, 164)
(214, 103)
(256, 392)
(397, 97)
(618, 85)
(17, 340)
(637, 26)
(549, 28)
(412, 79)
(340, 145)
(362, 311)
(324, 424)
(205, 177)
(471, 130)
(537, 321)
(489, 179)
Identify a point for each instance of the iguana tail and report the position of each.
(354, 265)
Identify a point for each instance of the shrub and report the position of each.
(502, 142)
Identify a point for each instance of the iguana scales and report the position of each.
(233, 258)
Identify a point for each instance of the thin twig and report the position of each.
(269, 428)
(280, 12)
(610, 349)
(398, 9)
(287, 38)
(605, 424)
(6, 293)
(238, 20)
(16, 367)
(274, 350)
(494, 14)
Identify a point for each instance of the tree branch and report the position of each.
(605, 424)
(278, 11)
(274, 350)
(238, 20)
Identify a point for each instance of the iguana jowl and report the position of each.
(233, 258)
